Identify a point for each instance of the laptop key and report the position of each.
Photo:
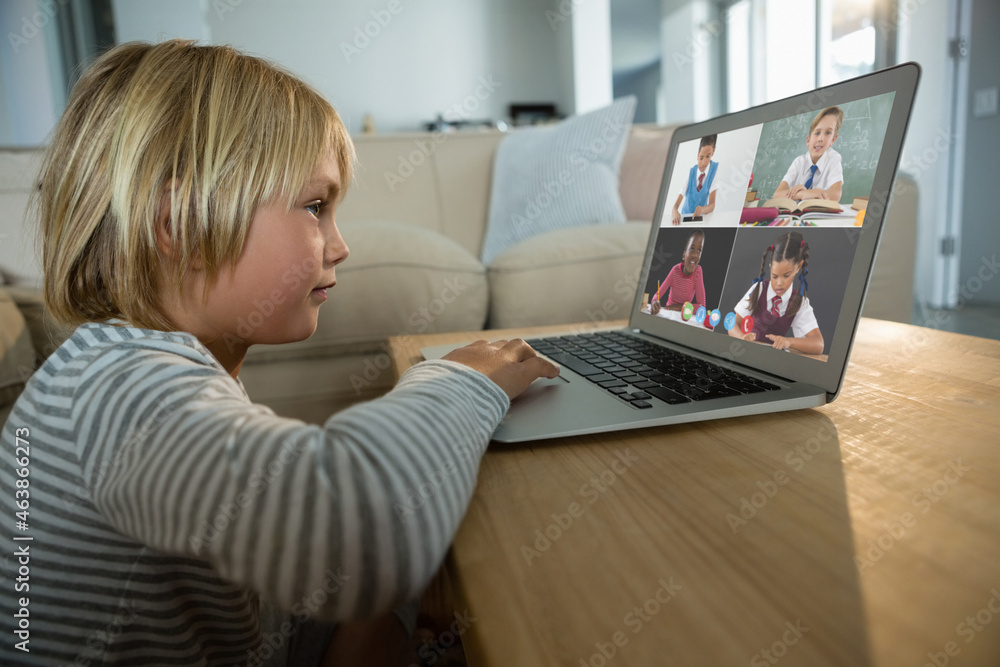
(641, 404)
(667, 396)
(574, 364)
(719, 392)
(609, 384)
(742, 387)
(766, 385)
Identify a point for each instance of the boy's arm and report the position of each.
(834, 192)
(702, 210)
(676, 213)
(782, 190)
(362, 508)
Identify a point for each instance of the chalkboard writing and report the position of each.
(859, 144)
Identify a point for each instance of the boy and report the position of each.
(818, 174)
(172, 520)
(699, 197)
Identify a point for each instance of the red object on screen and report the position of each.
(763, 214)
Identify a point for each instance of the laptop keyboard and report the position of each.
(639, 372)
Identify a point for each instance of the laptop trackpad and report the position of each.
(543, 386)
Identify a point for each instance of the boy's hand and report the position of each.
(676, 217)
(512, 364)
(797, 192)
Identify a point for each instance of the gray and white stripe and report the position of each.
(165, 506)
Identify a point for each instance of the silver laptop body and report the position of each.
(758, 144)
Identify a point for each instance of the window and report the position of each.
(847, 39)
(778, 48)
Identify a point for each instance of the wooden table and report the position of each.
(866, 532)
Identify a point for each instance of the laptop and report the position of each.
(759, 300)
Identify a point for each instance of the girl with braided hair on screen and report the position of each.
(776, 305)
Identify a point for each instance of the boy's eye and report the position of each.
(315, 208)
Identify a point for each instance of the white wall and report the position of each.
(155, 20)
(402, 61)
(6, 127)
(980, 241)
(592, 77)
(687, 57)
(923, 37)
(26, 28)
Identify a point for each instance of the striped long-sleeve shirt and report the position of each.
(164, 506)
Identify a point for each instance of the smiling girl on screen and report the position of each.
(685, 281)
(776, 305)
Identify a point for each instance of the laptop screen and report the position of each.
(759, 223)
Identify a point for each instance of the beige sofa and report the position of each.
(415, 220)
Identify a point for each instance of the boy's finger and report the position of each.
(541, 367)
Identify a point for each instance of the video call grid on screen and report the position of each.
(744, 169)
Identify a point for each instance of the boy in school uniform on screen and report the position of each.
(699, 196)
(819, 174)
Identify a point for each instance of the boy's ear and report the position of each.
(164, 230)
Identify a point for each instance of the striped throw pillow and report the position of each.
(558, 176)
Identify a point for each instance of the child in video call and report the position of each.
(183, 186)
(776, 305)
(684, 282)
(699, 197)
(819, 173)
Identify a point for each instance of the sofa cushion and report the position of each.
(642, 171)
(588, 274)
(557, 177)
(17, 355)
(399, 279)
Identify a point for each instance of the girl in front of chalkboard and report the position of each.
(775, 305)
(699, 196)
(819, 174)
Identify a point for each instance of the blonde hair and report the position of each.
(829, 111)
(211, 132)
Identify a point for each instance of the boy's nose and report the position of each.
(336, 248)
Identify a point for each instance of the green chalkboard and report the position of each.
(859, 144)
